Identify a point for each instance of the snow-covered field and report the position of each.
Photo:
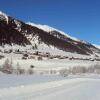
(46, 63)
(49, 87)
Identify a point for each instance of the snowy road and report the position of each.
(67, 89)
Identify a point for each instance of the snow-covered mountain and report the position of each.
(50, 29)
(3, 16)
(40, 37)
(97, 46)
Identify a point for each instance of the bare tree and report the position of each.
(20, 71)
(7, 67)
(64, 72)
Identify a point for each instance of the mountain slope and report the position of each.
(13, 31)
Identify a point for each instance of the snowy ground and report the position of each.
(49, 87)
(45, 64)
(46, 86)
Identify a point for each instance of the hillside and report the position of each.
(13, 31)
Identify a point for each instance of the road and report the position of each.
(67, 89)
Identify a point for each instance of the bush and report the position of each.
(30, 71)
(25, 55)
(20, 71)
(7, 67)
(78, 70)
(53, 72)
(32, 66)
(64, 72)
(40, 58)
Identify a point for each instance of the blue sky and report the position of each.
(78, 18)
